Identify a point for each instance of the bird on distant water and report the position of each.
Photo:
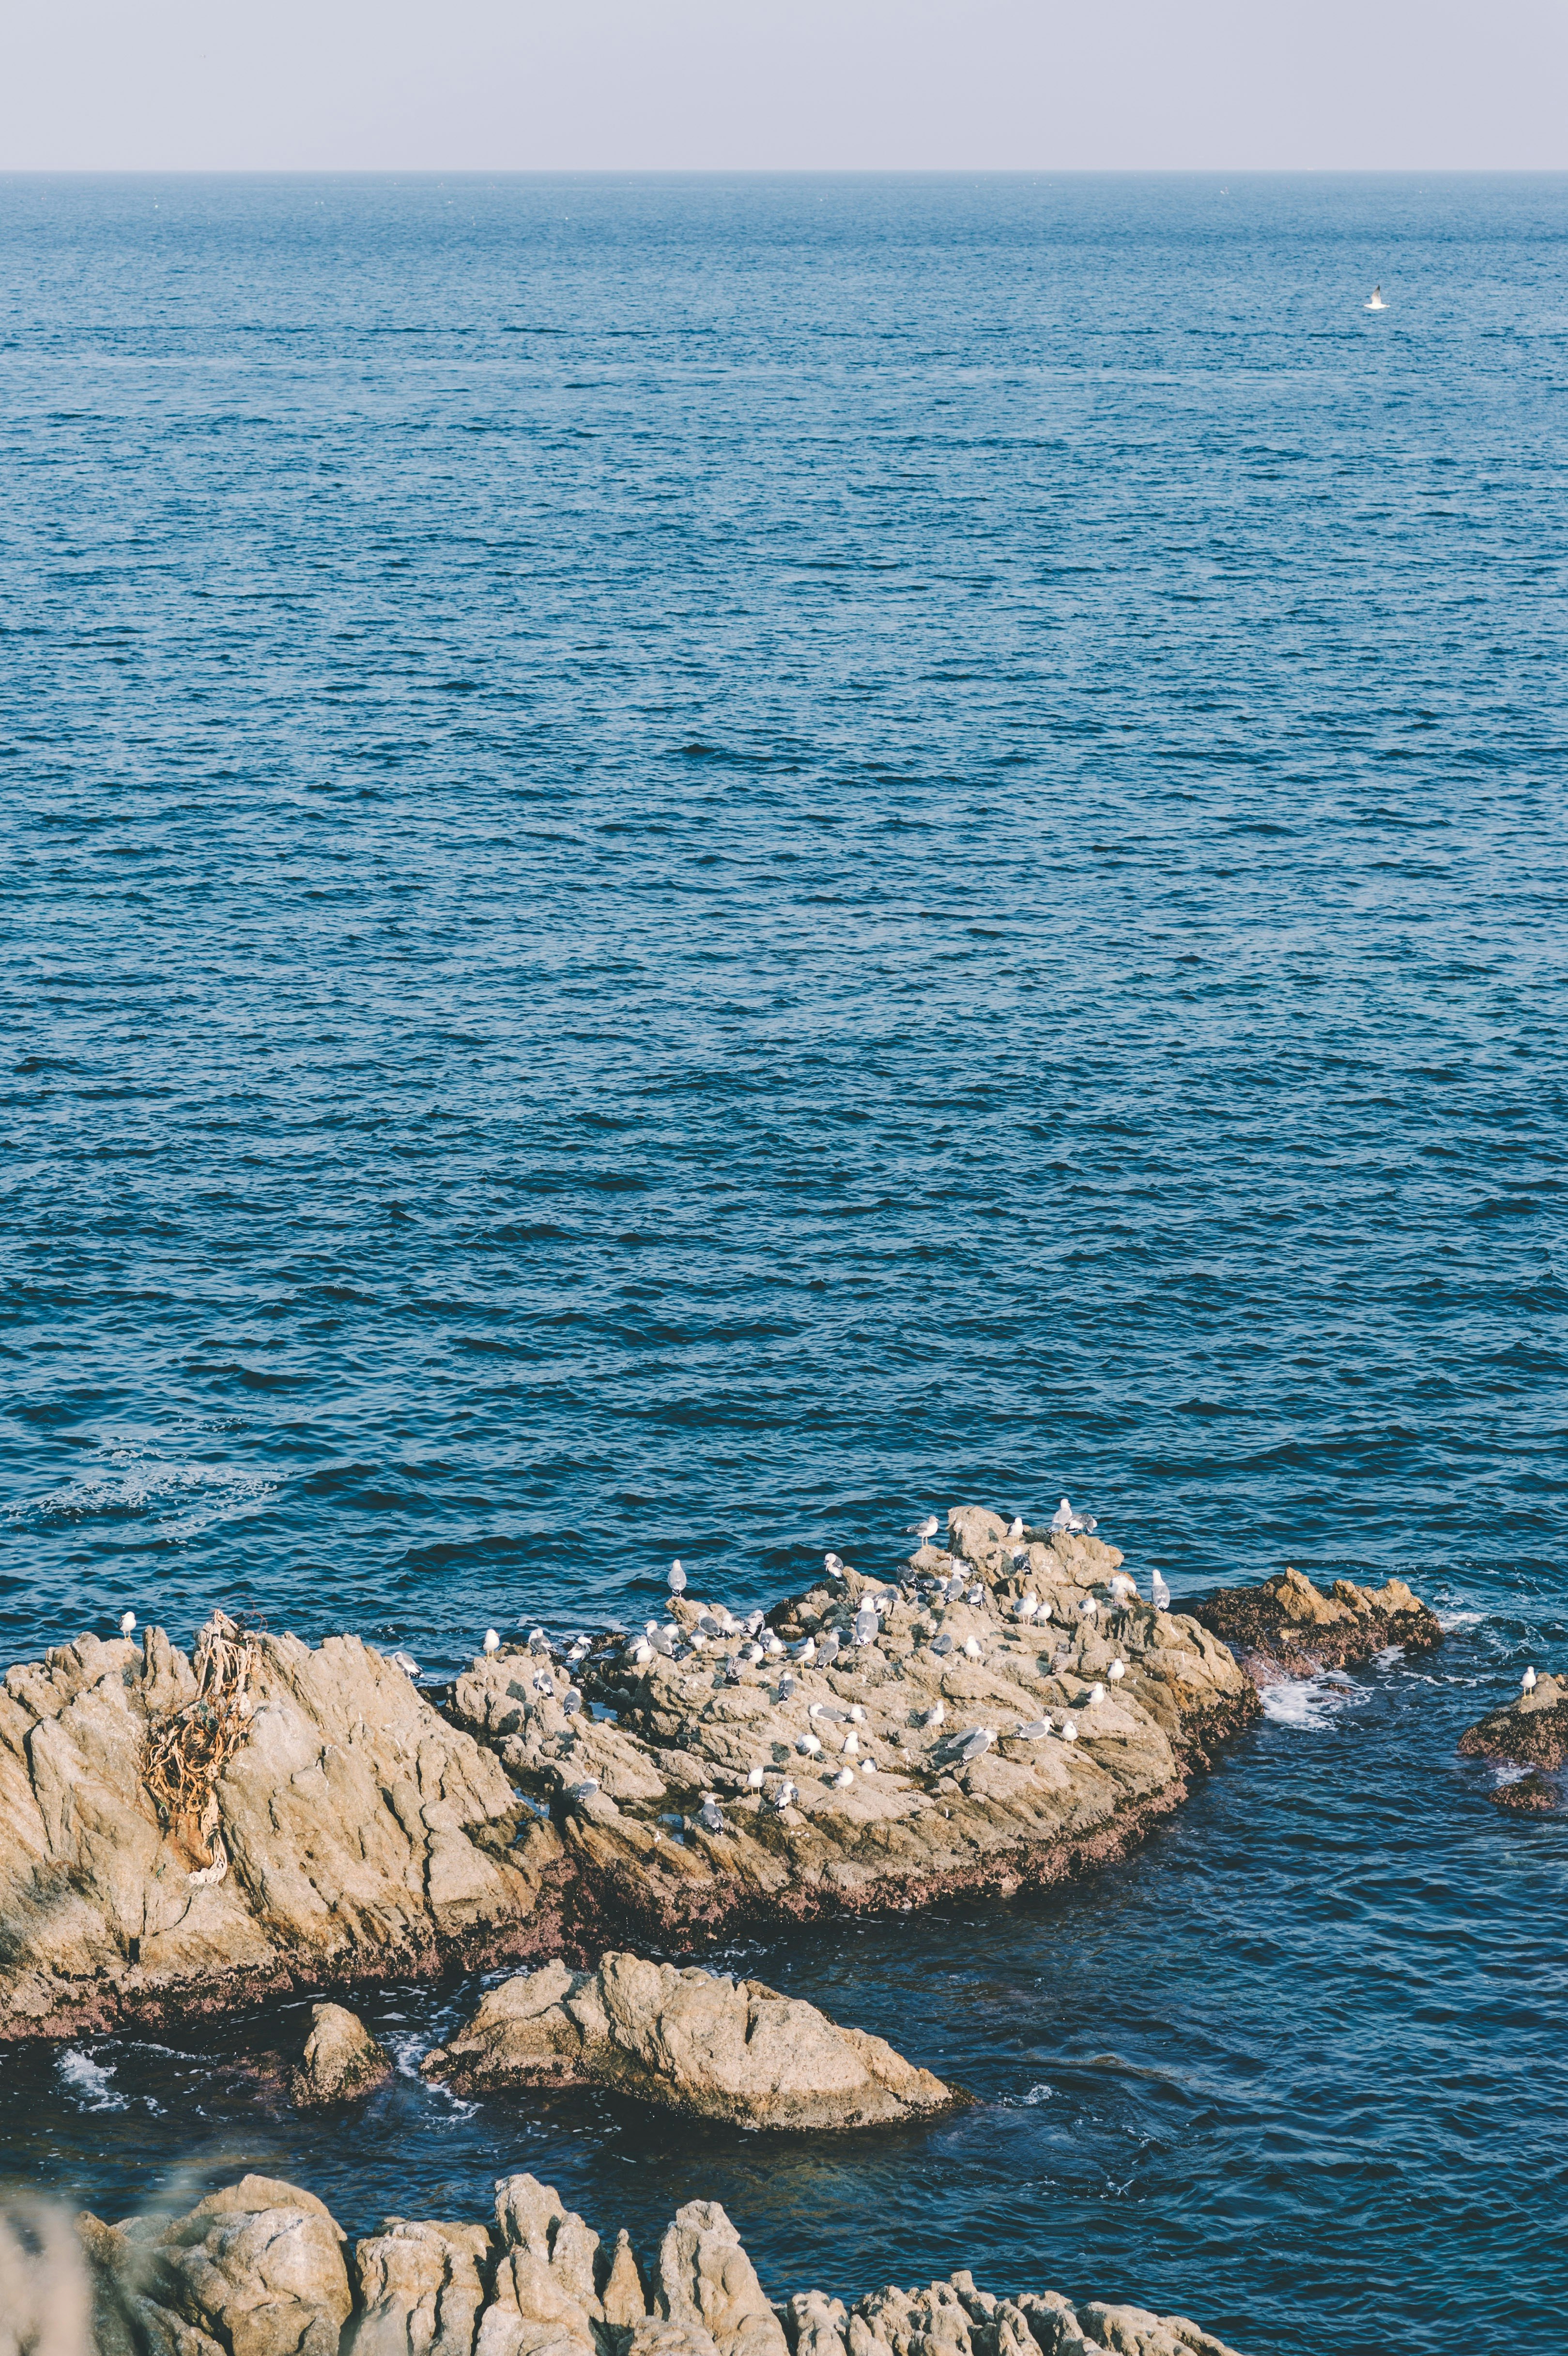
(1527, 1681)
(492, 1640)
(1160, 1591)
(925, 1531)
(676, 1578)
(127, 1624)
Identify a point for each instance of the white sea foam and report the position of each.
(90, 2082)
(1309, 1702)
(1451, 1620)
(180, 1498)
(1040, 2094)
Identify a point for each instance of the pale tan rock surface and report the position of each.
(260, 2262)
(357, 1832)
(1286, 1627)
(864, 1801)
(687, 2040)
(341, 2058)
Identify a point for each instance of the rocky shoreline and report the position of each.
(1531, 1732)
(180, 1835)
(261, 2268)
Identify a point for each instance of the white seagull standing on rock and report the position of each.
(925, 1531)
(128, 1628)
(1017, 1528)
(1527, 1681)
(1159, 1592)
(1064, 1518)
(833, 1564)
(676, 1578)
(492, 1640)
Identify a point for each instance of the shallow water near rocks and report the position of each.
(698, 866)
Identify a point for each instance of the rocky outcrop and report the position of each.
(1531, 1731)
(178, 1834)
(1286, 1627)
(341, 2060)
(259, 2270)
(1004, 1713)
(687, 2040)
(347, 1832)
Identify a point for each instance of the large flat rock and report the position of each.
(1003, 1714)
(261, 2269)
(687, 2041)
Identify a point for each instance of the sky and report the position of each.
(785, 85)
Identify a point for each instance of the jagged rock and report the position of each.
(1286, 1627)
(421, 2289)
(658, 1812)
(1532, 1730)
(254, 2270)
(257, 2271)
(1530, 1795)
(341, 2058)
(351, 1829)
(689, 2041)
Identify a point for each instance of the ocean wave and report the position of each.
(90, 2082)
(179, 1498)
(1310, 1702)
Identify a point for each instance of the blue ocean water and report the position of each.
(689, 864)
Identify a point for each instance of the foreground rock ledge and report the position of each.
(687, 2040)
(261, 2269)
(1286, 1627)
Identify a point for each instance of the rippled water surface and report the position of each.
(692, 865)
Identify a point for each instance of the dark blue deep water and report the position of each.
(691, 863)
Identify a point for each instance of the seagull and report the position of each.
(1017, 1528)
(786, 1796)
(127, 1623)
(829, 1647)
(1063, 1518)
(851, 1743)
(845, 1778)
(492, 1642)
(1088, 1607)
(1122, 1588)
(1043, 1614)
(754, 1654)
(1088, 1526)
(857, 1714)
(809, 1746)
(866, 1625)
(1069, 1731)
(943, 1645)
(641, 1653)
(572, 1701)
(971, 1649)
(773, 1644)
(833, 1565)
(979, 1739)
(1375, 300)
(925, 1531)
(1026, 1606)
(709, 1816)
(1034, 1730)
(1527, 1681)
(676, 1578)
(1118, 1669)
(806, 1651)
(754, 1780)
(786, 1686)
(404, 1661)
(935, 1715)
(545, 1684)
(1159, 1592)
(1096, 1693)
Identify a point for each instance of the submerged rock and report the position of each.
(349, 1830)
(1286, 1627)
(1530, 1731)
(687, 2040)
(259, 2270)
(341, 2058)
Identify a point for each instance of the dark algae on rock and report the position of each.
(1531, 1731)
(1284, 1626)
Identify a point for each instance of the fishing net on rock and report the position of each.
(187, 1748)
